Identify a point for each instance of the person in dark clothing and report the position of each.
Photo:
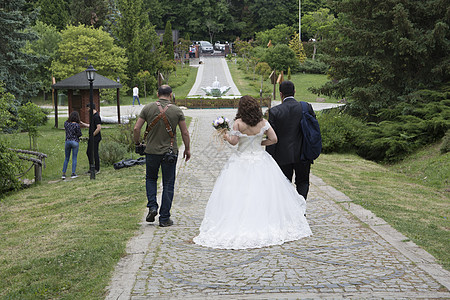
(285, 120)
(97, 136)
(158, 143)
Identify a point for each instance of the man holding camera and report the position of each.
(161, 150)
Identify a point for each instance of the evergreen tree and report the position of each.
(274, 12)
(246, 24)
(14, 63)
(156, 11)
(227, 19)
(297, 47)
(54, 12)
(386, 50)
(168, 41)
(89, 12)
(139, 38)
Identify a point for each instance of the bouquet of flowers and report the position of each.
(222, 125)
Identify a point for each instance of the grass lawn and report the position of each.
(182, 86)
(249, 84)
(304, 81)
(62, 239)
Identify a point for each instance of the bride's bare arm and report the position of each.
(232, 139)
(271, 138)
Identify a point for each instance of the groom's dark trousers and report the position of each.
(285, 121)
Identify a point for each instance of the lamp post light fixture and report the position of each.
(90, 73)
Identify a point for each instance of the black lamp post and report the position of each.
(90, 73)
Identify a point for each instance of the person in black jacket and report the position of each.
(97, 136)
(285, 120)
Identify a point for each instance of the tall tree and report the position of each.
(296, 46)
(139, 38)
(387, 49)
(318, 25)
(157, 11)
(14, 62)
(168, 41)
(45, 47)
(54, 12)
(81, 43)
(89, 12)
(227, 19)
(275, 12)
(280, 34)
(202, 19)
(245, 20)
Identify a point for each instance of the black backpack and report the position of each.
(312, 139)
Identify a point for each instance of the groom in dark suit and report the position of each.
(285, 120)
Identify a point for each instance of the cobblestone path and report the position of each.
(345, 257)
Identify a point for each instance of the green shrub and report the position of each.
(383, 142)
(111, 152)
(31, 117)
(407, 127)
(10, 166)
(124, 134)
(445, 147)
(108, 96)
(339, 131)
(313, 67)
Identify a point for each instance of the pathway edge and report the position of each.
(411, 250)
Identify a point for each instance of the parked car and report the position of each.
(206, 47)
(220, 46)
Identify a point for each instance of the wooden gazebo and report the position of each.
(78, 90)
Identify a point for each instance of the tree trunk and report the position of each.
(314, 52)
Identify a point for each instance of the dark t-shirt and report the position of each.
(97, 121)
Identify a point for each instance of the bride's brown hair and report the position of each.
(249, 111)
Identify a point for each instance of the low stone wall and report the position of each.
(217, 102)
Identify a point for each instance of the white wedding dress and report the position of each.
(253, 204)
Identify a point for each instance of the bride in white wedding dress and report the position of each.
(253, 204)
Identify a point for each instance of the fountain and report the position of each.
(216, 90)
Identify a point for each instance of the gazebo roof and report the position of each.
(79, 82)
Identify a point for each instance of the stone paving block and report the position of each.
(342, 259)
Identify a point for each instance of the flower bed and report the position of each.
(216, 102)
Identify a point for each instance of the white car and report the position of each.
(220, 46)
(206, 47)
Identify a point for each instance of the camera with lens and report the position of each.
(140, 149)
(170, 157)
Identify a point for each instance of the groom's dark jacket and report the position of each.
(285, 121)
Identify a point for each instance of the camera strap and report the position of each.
(161, 115)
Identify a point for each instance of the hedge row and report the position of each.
(217, 102)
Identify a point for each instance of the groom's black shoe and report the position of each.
(151, 215)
